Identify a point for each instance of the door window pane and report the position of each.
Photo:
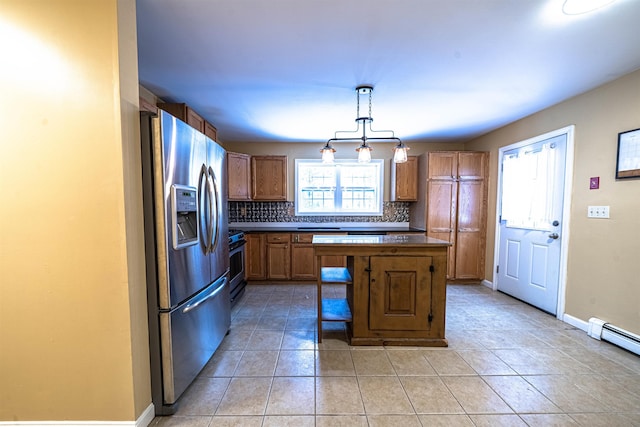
(527, 187)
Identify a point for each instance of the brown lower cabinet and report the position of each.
(284, 257)
(256, 256)
(278, 256)
(303, 260)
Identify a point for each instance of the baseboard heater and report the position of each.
(601, 330)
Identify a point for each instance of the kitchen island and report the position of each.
(395, 288)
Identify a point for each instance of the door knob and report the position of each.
(553, 236)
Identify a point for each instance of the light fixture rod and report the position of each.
(362, 91)
(364, 120)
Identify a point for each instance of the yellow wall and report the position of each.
(603, 265)
(132, 166)
(73, 340)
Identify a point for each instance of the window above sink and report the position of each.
(343, 188)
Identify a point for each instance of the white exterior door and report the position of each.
(531, 220)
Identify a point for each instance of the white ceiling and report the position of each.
(286, 70)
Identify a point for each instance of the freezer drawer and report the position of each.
(191, 333)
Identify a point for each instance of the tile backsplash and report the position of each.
(284, 212)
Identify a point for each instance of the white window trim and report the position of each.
(380, 192)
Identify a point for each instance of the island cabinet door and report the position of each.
(400, 293)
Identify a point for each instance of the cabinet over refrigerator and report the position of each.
(187, 252)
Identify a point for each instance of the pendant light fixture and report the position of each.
(400, 153)
(327, 153)
(364, 152)
(364, 119)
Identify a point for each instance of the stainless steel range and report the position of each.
(236, 264)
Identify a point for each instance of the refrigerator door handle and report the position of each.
(212, 214)
(193, 305)
(206, 213)
(215, 219)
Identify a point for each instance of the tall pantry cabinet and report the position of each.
(452, 206)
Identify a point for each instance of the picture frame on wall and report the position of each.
(628, 161)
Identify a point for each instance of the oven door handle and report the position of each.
(237, 245)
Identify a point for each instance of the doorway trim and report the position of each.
(566, 209)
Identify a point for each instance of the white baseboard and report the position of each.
(488, 284)
(146, 417)
(143, 421)
(575, 322)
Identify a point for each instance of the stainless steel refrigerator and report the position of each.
(184, 178)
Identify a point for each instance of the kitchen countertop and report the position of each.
(406, 241)
(293, 227)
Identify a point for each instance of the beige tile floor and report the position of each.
(507, 364)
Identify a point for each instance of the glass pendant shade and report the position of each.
(364, 153)
(400, 153)
(327, 153)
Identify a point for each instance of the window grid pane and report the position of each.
(318, 176)
(340, 188)
(318, 200)
(358, 198)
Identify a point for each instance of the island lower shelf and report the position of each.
(335, 309)
(395, 289)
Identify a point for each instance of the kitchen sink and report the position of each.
(366, 233)
(318, 228)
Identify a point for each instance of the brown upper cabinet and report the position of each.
(190, 117)
(404, 179)
(239, 176)
(148, 106)
(269, 178)
(184, 113)
(210, 131)
(453, 207)
(261, 178)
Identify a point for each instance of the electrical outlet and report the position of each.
(597, 211)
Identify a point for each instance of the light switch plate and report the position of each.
(598, 211)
